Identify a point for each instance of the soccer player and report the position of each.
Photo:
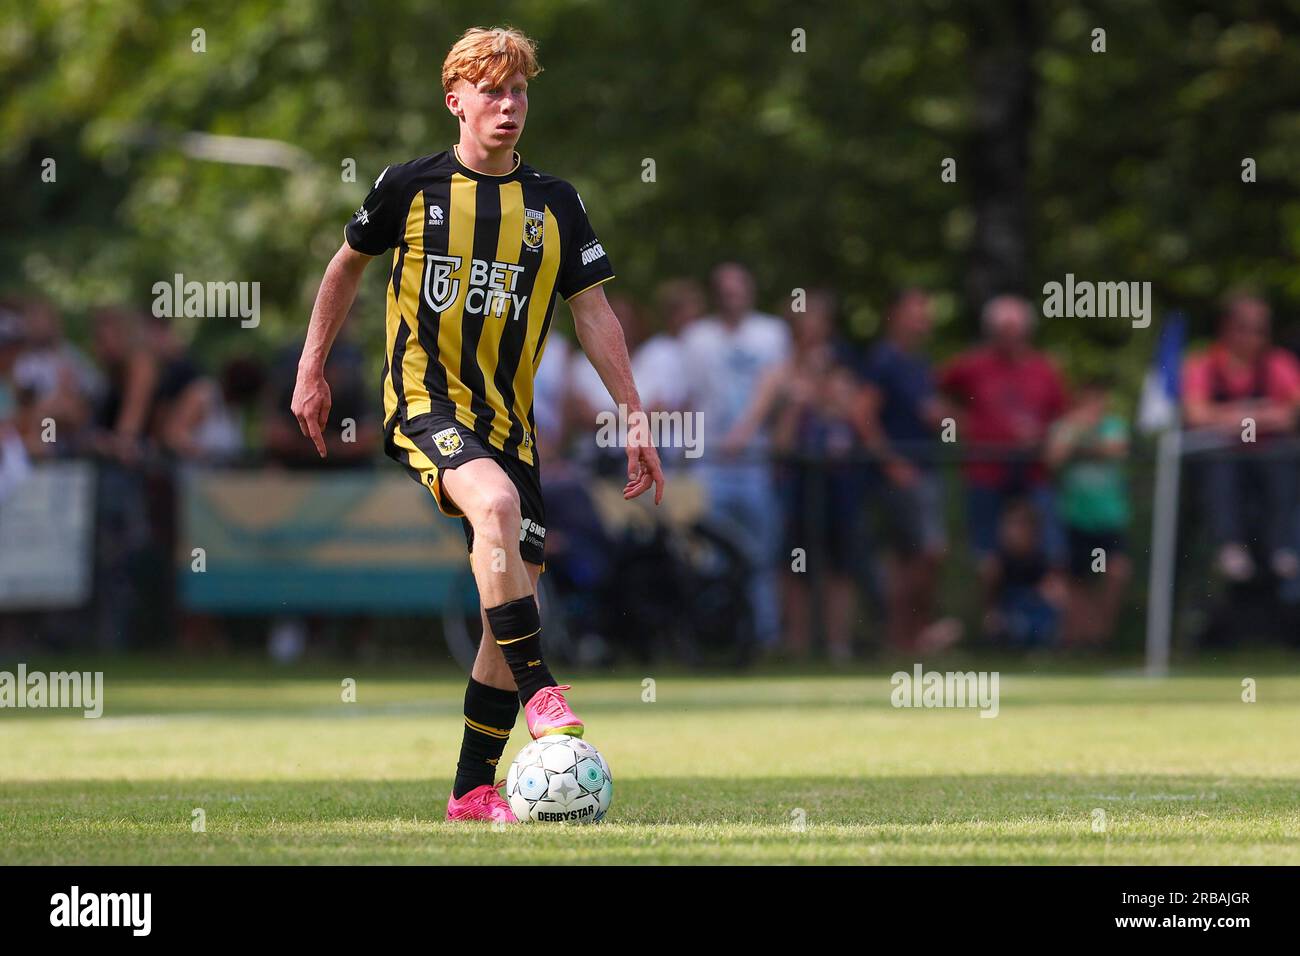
(481, 245)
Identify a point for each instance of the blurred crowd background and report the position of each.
(831, 229)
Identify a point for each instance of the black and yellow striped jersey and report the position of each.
(477, 261)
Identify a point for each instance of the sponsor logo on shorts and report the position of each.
(449, 441)
(527, 526)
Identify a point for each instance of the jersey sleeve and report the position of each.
(584, 263)
(377, 226)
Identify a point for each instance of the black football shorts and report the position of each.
(427, 445)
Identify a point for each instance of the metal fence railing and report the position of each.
(95, 554)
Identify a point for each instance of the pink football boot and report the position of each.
(481, 803)
(547, 712)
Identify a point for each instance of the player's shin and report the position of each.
(489, 717)
(517, 629)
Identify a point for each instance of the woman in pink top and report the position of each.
(1247, 391)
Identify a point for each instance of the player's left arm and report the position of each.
(602, 339)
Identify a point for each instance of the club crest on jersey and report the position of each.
(448, 441)
(534, 222)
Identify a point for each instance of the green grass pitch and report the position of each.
(1077, 768)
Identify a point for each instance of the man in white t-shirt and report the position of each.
(550, 397)
(660, 363)
(727, 354)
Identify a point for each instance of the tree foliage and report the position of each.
(817, 168)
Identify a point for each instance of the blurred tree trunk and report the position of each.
(1004, 37)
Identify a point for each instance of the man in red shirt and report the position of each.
(1007, 395)
(1246, 391)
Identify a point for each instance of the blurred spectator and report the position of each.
(658, 362)
(351, 435)
(1024, 596)
(551, 390)
(811, 399)
(125, 406)
(208, 420)
(14, 463)
(589, 396)
(1088, 448)
(728, 353)
(902, 398)
(207, 423)
(177, 371)
(1243, 376)
(1007, 396)
(133, 524)
(54, 381)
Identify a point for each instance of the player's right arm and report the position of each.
(374, 229)
(338, 290)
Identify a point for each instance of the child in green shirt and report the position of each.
(1087, 448)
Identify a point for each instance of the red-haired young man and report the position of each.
(481, 245)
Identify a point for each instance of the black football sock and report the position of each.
(489, 716)
(517, 628)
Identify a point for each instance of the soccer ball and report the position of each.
(558, 778)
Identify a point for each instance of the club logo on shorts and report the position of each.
(534, 222)
(448, 441)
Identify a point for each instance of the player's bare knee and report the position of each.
(499, 513)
